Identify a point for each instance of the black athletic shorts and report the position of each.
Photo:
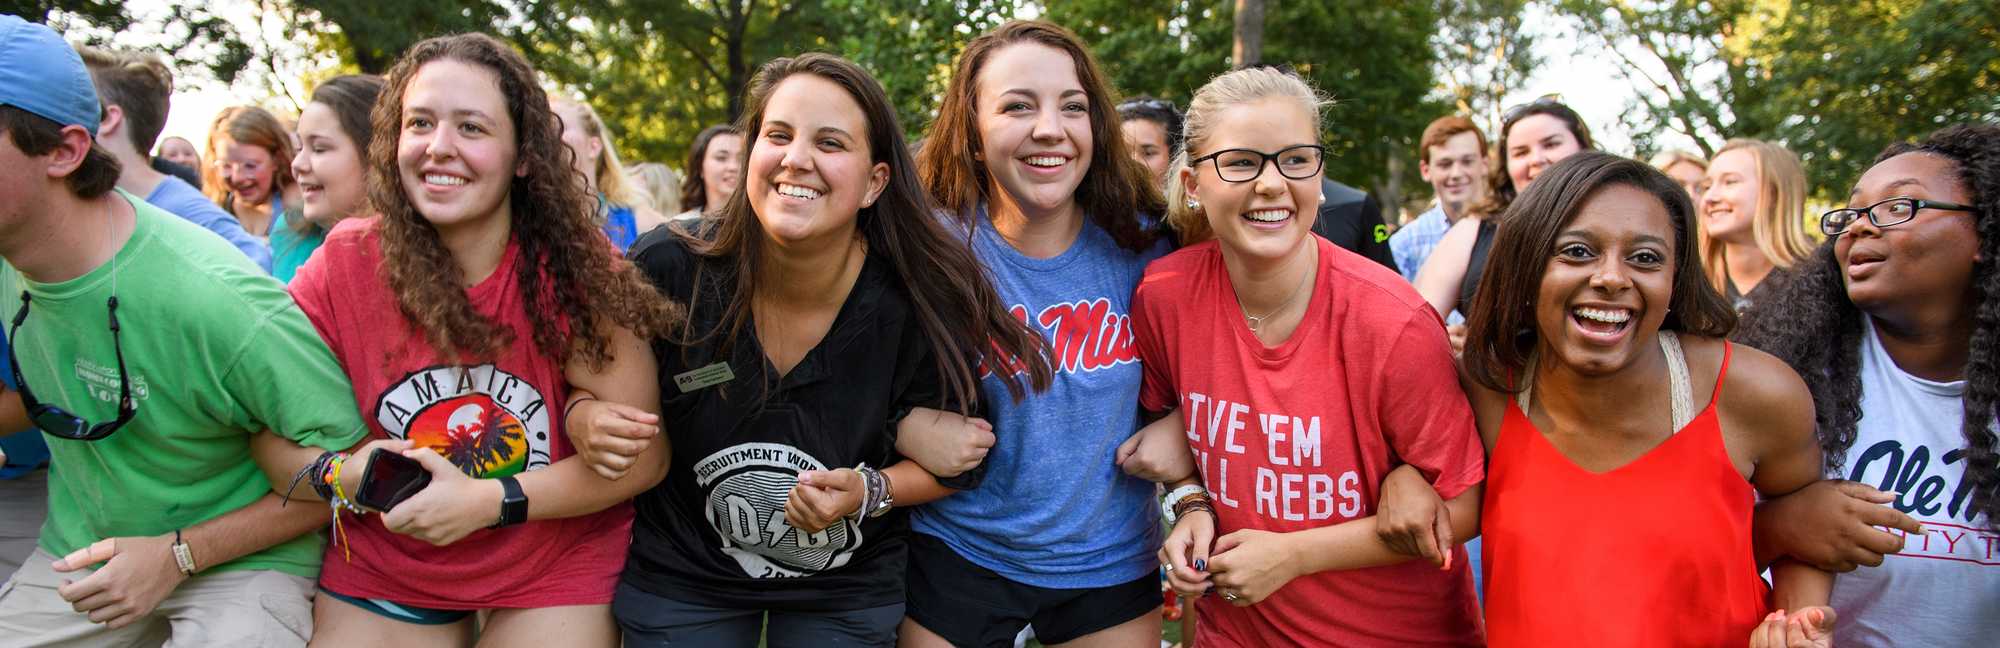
(970, 605)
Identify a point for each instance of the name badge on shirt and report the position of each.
(708, 376)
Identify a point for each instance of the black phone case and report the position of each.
(381, 492)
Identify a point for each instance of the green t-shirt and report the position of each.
(215, 350)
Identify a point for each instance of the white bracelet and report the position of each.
(183, 556)
(1181, 493)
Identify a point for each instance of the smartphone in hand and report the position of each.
(390, 479)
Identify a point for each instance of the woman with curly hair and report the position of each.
(1895, 324)
(826, 300)
(464, 313)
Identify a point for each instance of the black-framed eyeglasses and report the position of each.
(1894, 211)
(55, 420)
(1243, 165)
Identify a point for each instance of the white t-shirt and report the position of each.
(1944, 588)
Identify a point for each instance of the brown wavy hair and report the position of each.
(574, 284)
(1114, 192)
(1503, 191)
(950, 295)
(1500, 335)
(694, 189)
(256, 127)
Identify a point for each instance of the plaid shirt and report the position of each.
(1413, 243)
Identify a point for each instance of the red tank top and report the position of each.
(1653, 553)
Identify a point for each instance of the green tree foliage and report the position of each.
(1673, 53)
(910, 45)
(1840, 81)
(192, 31)
(661, 70)
(1374, 57)
(370, 34)
(1833, 81)
(1484, 52)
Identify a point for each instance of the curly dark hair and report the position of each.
(1116, 190)
(950, 296)
(574, 283)
(1812, 325)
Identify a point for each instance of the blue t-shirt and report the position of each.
(620, 227)
(1055, 511)
(179, 198)
(25, 449)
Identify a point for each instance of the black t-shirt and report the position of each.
(714, 532)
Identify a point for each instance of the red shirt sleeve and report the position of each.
(1424, 413)
(1157, 393)
(312, 289)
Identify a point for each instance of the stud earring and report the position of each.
(1193, 204)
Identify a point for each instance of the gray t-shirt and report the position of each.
(1944, 588)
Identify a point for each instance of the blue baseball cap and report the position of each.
(41, 74)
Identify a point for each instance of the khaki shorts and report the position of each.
(24, 503)
(239, 608)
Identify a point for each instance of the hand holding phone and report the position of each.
(390, 479)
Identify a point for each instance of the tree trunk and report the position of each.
(1249, 33)
(738, 66)
(1390, 192)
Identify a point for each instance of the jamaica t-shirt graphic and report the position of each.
(488, 422)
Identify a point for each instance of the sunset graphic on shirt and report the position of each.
(478, 436)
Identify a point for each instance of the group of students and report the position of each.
(865, 395)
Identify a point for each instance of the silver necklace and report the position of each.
(1257, 321)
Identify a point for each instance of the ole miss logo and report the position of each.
(1083, 336)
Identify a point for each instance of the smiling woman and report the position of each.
(1335, 357)
(468, 313)
(1533, 136)
(1897, 322)
(334, 134)
(1028, 157)
(827, 301)
(1595, 301)
(250, 173)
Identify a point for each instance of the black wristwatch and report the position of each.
(513, 504)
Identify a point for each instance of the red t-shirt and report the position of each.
(1300, 436)
(493, 420)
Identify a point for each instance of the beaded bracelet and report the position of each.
(314, 476)
(339, 499)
